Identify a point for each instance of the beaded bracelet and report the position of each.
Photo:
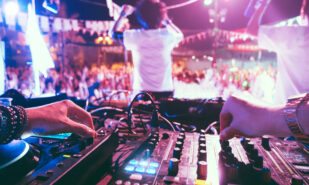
(7, 129)
(13, 121)
(21, 120)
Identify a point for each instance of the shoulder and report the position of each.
(131, 32)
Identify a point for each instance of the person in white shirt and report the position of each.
(151, 47)
(291, 45)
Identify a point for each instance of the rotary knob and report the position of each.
(244, 141)
(177, 153)
(202, 140)
(297, 180)
(249, 147)
(179, 144)
(227, 149)
(202, 146)
(258, 162)
(173, 167)
(182, 134)
(202, 170)
(180, 138)
(202, 155)
(224, 143)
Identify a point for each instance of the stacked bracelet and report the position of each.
(13, 121)
(290, 116)
(21, 120)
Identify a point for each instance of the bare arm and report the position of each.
(170, 23)
(255, 20)
(59, 117)
(119, 24)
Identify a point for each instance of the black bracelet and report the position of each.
(24, 119)
(21, 120)
(13, 121)
(7, 128)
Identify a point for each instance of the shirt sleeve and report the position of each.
(128, 38)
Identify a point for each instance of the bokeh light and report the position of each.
(11, 8)
(208, 2)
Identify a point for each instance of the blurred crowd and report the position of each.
(223, 81)
(98, 83)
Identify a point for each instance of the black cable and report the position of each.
(130, 110)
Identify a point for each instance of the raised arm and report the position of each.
(119, 26)
(255, 20)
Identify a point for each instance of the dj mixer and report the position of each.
(152, 156)
(168, 157)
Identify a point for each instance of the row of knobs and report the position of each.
(236, 171)
(202, 156)
(175, 160)
(253, 156)
(257, 161)
(151, 145)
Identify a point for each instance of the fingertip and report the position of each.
(91, 133)
(223, 135)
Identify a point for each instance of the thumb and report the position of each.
(229, 132)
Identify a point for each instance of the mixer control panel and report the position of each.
(197, 158)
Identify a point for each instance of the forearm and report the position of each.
(173, 26)
(254, 22)
(119, 24)
(117, 27)
(276, 124)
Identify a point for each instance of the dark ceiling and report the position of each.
(193, 17)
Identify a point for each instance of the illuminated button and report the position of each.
(118, 182)
(143, 163)
(154, 164)
(140, 169)
(77, 155)
(127, 183)
(66, 155)
(129, 168)
(136, 183)
(151, 171)
(133, 162)
(136, 176)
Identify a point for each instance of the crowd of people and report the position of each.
(99, 82)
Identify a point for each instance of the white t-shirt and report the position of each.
(291, 43)
(151, 52)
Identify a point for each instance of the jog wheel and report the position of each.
(17, 158)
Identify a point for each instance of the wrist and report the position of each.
(123, 14)
(276, 125)
(27, 130)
